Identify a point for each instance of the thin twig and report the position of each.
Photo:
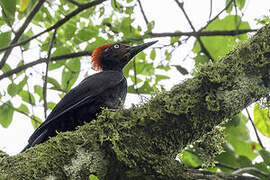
(57, 24)
(143, 13)
(135, 77)
(226, 7)
(28, 90)
(43, 60)
(211, 9)
(74, 2)
(21, 30)
(251, 170)
(204, 50)
(204, 33)
(46, 73)
(255, 129)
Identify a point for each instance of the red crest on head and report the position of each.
(96, 56)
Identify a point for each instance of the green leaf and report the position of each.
(56, 85)
(228, 158)
(69, 29)
(5, 38)
(261, 120)
(262, 166)
(168, 55)
(6, 68)
(190, 159)
(8, 10)
(27, 97)
(22, 84)
(145, 68)
(153, 54)
(244, 161)
(61, 51)
(93, 177)
(265, 155)
(51, 105)
(6, 114)
(201, 59)
(23, 4)
(146, 88)
(229, 10)
(219, 46)
(14, 89)
(86, 34)
(181, 69)
(35, 121)
(23, 108)
(238, 137)
(55, 64)
(116, 6)
(160, 77)
(68, 78)
(74, 65)
(39, 91)
(175, 38)
(138, 80)
(240, 3)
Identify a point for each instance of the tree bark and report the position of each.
(142, 142)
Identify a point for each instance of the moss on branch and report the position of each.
(130, 143)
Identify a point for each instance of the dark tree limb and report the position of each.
(203, 33)
(142, 142)
(43, 60)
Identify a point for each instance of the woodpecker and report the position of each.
(108, 89)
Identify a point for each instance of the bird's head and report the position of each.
(115, 56)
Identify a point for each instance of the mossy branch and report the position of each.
(143, 141)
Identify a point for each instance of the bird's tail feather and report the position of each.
(40, 139)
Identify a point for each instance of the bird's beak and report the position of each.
(134, 50)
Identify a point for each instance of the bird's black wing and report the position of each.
(86, 91)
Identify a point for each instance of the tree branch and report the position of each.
(81, 8)
(142, 142)
(251, 170)
(46, 73)
(204, 33)
(43, 60)
(255, 129)
(226, 7)
(204, 50)
(21, 30)
(153, 35)
(74, 2)
(143, 13)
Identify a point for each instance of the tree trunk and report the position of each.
(142, 142)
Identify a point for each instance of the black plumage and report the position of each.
(104, 89)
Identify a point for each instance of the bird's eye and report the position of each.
(116, 46)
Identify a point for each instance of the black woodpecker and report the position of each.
(107, 88)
